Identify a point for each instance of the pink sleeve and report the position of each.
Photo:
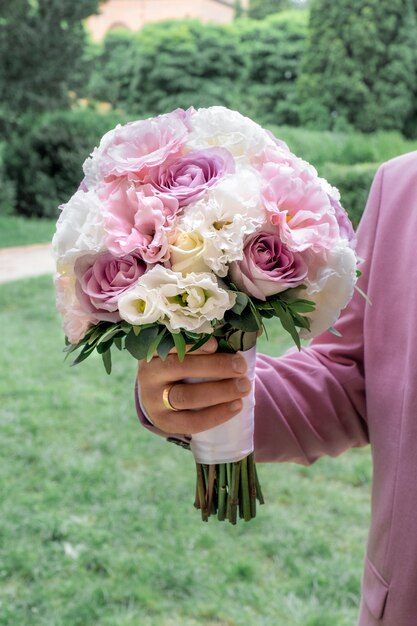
(313, 403)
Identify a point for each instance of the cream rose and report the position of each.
(187, 252)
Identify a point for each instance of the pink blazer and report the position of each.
(362, 388)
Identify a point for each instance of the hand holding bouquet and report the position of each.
(200, 223)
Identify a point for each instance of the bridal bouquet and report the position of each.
(199, 223)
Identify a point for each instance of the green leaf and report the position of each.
(138, 345)
(199, 343)
(110, 333)
(106, 356)
(153, 346)
(180, 345)
(118, 342)
(85, 352)
(247, 320)
(241, 303)
(165, 346)
(287, 322)
(103, 347)
(302, 306)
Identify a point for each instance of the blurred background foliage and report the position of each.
(336, 80)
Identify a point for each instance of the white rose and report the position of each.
(219, 126)
(80, 229)
(331, 289)
(187, 253)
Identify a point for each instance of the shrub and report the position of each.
(45, 159)
(184, 63)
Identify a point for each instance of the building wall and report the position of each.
(133, 14)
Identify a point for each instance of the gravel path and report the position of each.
(24, 262)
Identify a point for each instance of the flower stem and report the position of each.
(222, 493)
(228, 488)
(202, 493)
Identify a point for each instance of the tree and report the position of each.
(41, 50)
(360, 64)
(258, 9)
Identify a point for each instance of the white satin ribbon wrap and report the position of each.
(233, 440)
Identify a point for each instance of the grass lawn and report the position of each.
(97, 526)
(21, 231)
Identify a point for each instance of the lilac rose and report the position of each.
(268, 266)
(188, 177)
(102, 278)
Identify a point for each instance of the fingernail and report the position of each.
(243, 384)
(236, 405)
(239, 364)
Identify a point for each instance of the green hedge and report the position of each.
(45, 158)
(320, 147)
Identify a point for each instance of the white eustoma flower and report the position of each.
(331, 288)
(79, 230)
(219, 126)
(225, 216)
(141, 305)
(188, 302)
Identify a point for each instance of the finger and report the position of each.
(192, 422)
(208, 348)
(219, 366)
(205, 394)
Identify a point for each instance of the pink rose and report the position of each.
(137, 220)
(188, 177)
(268, 266)
(101, 279)
(297, 204)
(138, 146)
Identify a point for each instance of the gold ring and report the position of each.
(165, 398)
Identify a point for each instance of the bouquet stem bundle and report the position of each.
(228, 489)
